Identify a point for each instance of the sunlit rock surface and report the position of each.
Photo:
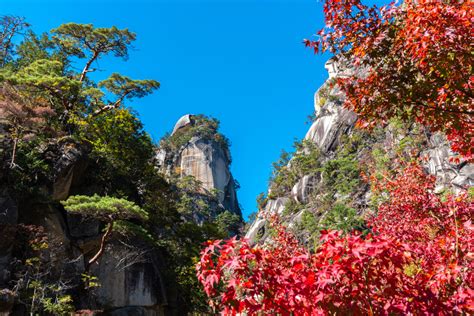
(207, 161)
(331, 123)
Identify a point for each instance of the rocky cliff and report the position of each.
(125, 281)
(323, 176)
(194, 149)
(138, 274)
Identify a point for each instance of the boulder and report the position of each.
(273, 206)
(303, 188)
(255, 230)
(276, 206)
(449, 174)
(185, 120)
(332, 121)
(68, 166)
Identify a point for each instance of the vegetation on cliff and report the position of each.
(201, 126)
(60, 123)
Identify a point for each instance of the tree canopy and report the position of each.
(107, 209)
(104, 208)
(44, 65)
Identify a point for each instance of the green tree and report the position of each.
(10, 26)
(43, 65)
(229, 223)
(107, 209)
(42, 69)
(118, 138)
(342, 218)
(85, 41)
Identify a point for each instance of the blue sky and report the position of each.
(242, 62)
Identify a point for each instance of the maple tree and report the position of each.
(418, 259)
(416, 60)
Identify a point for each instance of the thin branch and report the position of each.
(12, 162)
(108, 107)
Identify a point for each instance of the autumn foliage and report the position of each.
(418, 259)
(412, 61)
(418, 58)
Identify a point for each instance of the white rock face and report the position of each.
(276, 206)
(448, 174)
(302, 189)
(332, 121)
(332, 67)
(254, 229)
(182, 122)
(207, 163)
(331, 118)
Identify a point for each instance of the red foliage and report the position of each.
(419, 61)
(418, 260)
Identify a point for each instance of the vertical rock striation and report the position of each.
(203, 157)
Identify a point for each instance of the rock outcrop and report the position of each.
(202, 157)
(332, 127)
(129, 279)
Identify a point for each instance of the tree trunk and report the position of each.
(99, 253)
(87, 66)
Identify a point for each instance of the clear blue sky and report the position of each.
(242, 62)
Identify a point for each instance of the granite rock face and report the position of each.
(130, 277)
(303, 188)
(332, 119)
(458, 176)
(204, 159)
(208, 163)
(185, 120)
(332, 123)
(258, 230)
